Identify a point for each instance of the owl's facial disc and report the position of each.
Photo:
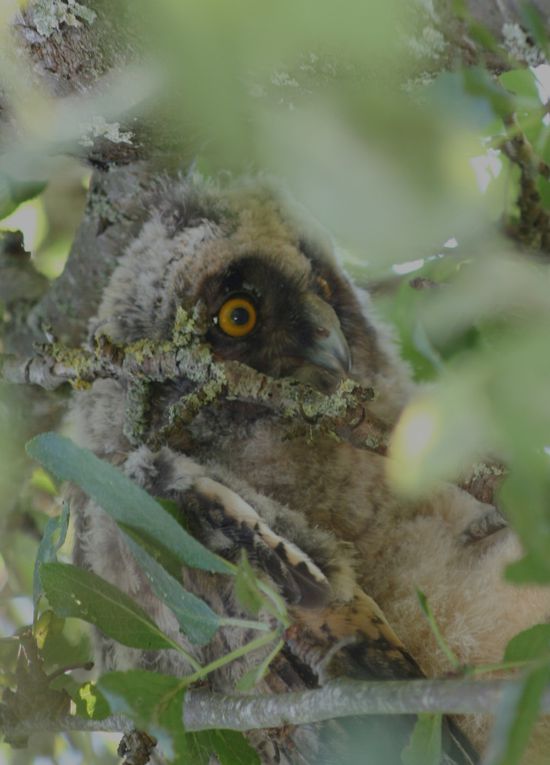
(278, 324)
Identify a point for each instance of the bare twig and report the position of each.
(342, 698)
(204, 710)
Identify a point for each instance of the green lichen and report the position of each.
(48, 15)
(138, 407)
(188, 327)
(76, 359)
(98, 127)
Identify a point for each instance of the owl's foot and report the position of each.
(302, 582)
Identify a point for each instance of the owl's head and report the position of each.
(268, 280)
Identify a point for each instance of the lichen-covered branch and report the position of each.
(185, 358)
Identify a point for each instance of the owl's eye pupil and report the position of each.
(237, 316)
(240, 316)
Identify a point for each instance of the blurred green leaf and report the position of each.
(480, 82)
(532, 643)
(14, 192)
(523, 83)
(424, 747)
(126, 502)
(52, 540)
(447, 95)
(525, 498)
(72, 591)
(535, 23)
(515, 716)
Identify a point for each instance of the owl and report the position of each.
(316, 516)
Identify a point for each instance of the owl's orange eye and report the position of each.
(237, 317)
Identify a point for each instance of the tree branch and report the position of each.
(342, 698)
(187, 359)
(204, 710)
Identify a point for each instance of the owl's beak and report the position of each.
(330, 349)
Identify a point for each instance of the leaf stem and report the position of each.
(441, 642)
(245, 624)
(254, 645)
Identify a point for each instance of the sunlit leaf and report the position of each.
(90, 702)
(47, 626)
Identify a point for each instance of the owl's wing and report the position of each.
(340, 631)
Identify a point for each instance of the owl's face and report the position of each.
(281, 324)
(275, 297)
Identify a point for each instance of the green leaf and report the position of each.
(195, 618)
(138, 693)
(54, 537)
(123, 500)
(46, 627)
(516, 714)
(534, 22)
(533, 643)
(530, 569)
(247, 592)
(230, 747)
(14, 192)
(424, 747)
(482, 36)
(528, 486)
(155, 702)
(522, 82)
(72, 591)
(479, 82)
(448, 94)
(90, 702)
